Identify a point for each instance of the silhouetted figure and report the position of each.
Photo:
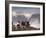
(18, 25)
(23, 23)
(27, 24)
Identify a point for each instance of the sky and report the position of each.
(25, 9)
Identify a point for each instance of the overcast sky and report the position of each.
(26, 10)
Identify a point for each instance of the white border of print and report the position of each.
(25, 32)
